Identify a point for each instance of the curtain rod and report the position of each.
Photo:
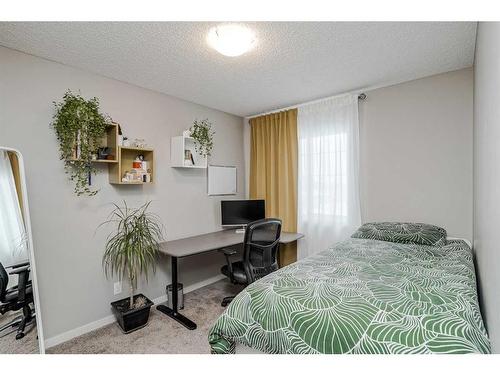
(361, 96)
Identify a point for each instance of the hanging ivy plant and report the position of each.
(79, 128)
(203, 136)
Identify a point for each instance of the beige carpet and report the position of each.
(8, 343)
(162, 334)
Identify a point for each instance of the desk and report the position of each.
(185, 247)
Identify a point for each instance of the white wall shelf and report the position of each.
(178, 147)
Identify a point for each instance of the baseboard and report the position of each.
(68, 335)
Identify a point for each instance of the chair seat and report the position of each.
(11, 295)
(239, 274)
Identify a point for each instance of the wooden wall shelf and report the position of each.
(126, 157)
(110, 140)
(123, 158)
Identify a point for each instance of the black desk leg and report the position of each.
(174, 313)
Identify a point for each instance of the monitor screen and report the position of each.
(237, 213)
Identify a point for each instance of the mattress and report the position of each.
(361, 296)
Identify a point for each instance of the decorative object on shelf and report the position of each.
(139, 143)
(203, 136)
(188, 158)
(80, 128)
(134, 167)
(131, 250)
(125, 142)
(133, 176)
(103, 153)
(137, 163)
(120, 134)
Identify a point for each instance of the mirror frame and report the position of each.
(27, 224)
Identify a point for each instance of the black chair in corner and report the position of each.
(17, 297)
(260, 254)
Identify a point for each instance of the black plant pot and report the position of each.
(131, 319)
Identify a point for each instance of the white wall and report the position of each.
(68, 249)
(487, 174)
(416, 152)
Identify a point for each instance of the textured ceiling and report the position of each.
(292, 62)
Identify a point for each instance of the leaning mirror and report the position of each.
(20, 323)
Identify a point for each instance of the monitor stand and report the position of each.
(240, 230)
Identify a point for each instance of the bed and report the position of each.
(379, 293)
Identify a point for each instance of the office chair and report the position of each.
(17, 297)
(260, 254)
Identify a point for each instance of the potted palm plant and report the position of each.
(131, 250)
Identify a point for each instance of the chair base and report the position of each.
(13, 324)
(226, 301)
(19, 323)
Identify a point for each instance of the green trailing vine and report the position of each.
(79, 128)
(202, 133)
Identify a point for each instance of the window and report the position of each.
(13, 242)
(326, 159)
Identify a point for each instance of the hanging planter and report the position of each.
(203, 136)
(80, 128)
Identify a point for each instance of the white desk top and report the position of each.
(212, 241)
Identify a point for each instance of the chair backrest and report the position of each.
(260, 255)
(4, 281)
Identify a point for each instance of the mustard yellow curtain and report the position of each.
(273, 170)
(14, 162)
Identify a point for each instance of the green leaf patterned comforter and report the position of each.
(361, 296)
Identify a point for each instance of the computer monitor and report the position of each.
(238, 213)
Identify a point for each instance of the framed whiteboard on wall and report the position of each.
(221, 180)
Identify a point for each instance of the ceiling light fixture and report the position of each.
(231, 40)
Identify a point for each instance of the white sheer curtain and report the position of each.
(328, 190)
(13, 247)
